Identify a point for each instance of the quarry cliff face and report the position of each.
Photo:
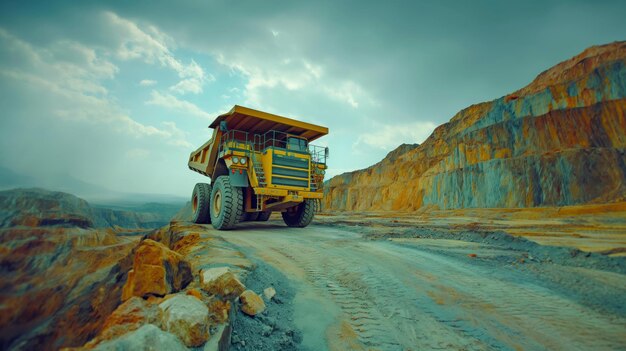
(559, 141)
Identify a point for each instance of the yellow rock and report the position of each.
(251, 303)
(221, 281)
(157, 270)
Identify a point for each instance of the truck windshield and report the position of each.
(296, 144)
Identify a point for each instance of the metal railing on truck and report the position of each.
(247, 142)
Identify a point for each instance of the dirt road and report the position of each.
(424, 294)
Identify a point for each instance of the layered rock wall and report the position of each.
(559, 141)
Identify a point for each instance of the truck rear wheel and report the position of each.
(200, 203)
(264, 216)
(226, 204)
(300, 216)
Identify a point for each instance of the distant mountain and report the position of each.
(10, 179)
(95, 194)
(559, 141)
(35, 207)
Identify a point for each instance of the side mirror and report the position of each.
(326, 152)
(223, 127)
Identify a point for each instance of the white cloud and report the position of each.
(265, 71)
(190, 85)
(346, 92)
(177, 136)
(72, 76)
(152, 46)
(173, 103)
(387, 137)
(147, 82)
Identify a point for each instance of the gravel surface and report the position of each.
(274, 328)
(535, 251)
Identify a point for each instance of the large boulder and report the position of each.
(129, 316)
(186, 317)
(148, 337)
(251, 303)
(157, 270)
(221, 281)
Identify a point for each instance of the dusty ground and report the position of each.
(394, 286)
(594, 228)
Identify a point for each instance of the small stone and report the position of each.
(267, 331)
(268, 320)
(269, 293)
(234, 340)
(221, 281)
(186, 317)
(252, 304)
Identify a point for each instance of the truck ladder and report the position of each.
(260, 177)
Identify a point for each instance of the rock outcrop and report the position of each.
(559, 141)
(157, 271)
(68, 285)
(58, 284)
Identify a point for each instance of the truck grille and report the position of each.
(279, 173)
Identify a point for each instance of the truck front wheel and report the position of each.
(300, 216)
(226, 204)
(200, 203)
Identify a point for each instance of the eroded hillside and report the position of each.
(559, 141)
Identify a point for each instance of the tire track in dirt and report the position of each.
(394, 297)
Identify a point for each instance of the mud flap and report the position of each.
(238, 178)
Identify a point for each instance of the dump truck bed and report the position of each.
(258, 122)
(253, 122)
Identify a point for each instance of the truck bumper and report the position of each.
(283, 192)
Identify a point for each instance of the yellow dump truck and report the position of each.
(258, 163)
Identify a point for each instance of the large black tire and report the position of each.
(226, 204)
(200, 203)
(300, 216)
(264, 216)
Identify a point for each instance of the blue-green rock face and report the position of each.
(559, 141)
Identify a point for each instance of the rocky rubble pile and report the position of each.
(179, 294)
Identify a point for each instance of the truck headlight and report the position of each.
(235, 159)
(243, 161)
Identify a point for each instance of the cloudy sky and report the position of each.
(119, 94)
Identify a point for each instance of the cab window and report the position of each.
(296, 144)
